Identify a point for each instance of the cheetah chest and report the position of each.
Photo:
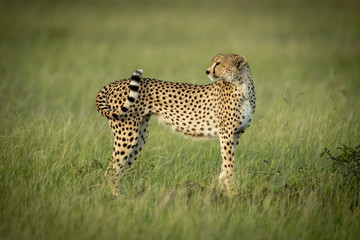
(247, 114)
(246, 110)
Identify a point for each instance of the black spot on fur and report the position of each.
(135, 78)
(115, 116)
(134, 88)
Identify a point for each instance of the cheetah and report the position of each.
(222, 109)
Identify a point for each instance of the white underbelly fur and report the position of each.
(247, 113)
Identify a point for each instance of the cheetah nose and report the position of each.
(207, 72)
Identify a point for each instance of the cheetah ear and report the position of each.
(240, 62)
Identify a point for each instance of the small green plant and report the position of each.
(80, 171)
(347, 163)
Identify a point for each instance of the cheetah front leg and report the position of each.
(228, 147)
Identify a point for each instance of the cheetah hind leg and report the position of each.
(138, 146)
(109, 176)
(143, 134)
(124, 144)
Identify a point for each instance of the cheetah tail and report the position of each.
(134, 91)
(103, 106)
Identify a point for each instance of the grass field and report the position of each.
(54, 145)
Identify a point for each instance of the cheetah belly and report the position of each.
(202, 127)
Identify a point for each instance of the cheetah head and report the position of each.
(226, 67)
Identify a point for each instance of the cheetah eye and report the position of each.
(217, 63)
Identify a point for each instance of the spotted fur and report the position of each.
(222, 109)
(103, 105)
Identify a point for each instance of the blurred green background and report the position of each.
(55, 48)
(56, 55)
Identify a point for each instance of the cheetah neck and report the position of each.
(245, 91)
(244, 82)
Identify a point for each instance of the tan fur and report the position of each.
(221, 109)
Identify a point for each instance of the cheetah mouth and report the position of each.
(214, 78)
(214, 73)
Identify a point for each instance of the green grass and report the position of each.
(54, 145)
